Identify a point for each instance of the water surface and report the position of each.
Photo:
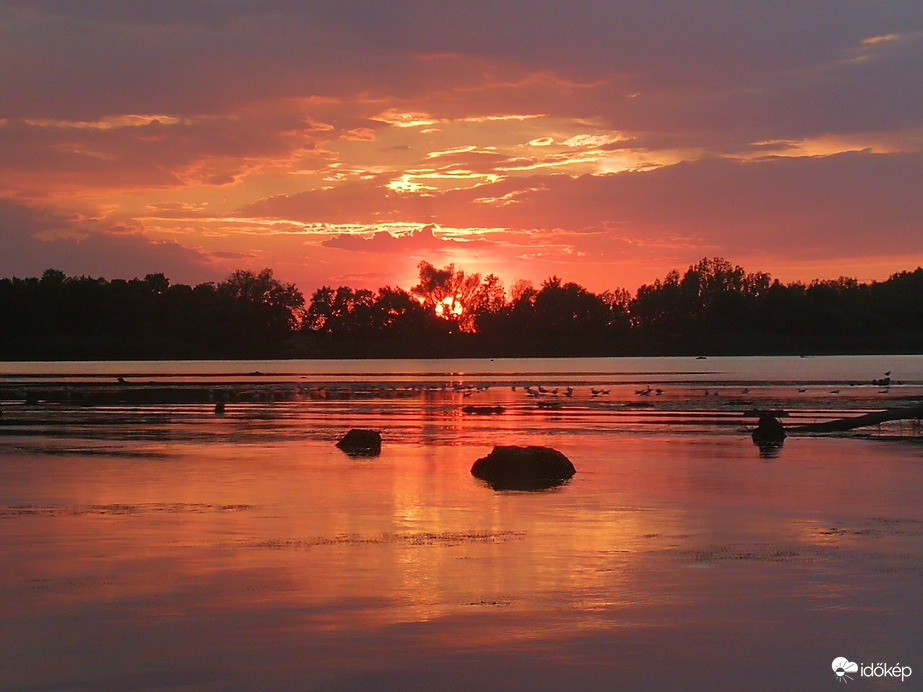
(164, 547)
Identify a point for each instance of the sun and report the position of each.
(449, 307)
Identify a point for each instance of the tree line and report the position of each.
(714, 307)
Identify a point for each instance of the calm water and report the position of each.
(757, 369)
(163, 547)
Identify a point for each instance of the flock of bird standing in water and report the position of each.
(545, 397)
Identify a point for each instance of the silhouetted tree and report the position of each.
(344, 311)
(713, 306)
(397, 315)
(448, 292)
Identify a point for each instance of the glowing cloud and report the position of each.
(310, 137)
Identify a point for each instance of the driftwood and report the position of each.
(845, 424)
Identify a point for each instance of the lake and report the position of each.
(150, 544)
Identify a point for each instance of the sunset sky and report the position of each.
(342, 142)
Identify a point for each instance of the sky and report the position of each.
(342, 142)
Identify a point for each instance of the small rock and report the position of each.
(361, 443)
(483, 410)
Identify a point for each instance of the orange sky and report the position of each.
(342, 143)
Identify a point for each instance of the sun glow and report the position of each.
(405, 184)
(449, 307)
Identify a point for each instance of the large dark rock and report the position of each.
(768, 430)
(523, 468)
(361, 443)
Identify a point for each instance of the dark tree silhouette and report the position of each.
(713, 307)
(449, 293)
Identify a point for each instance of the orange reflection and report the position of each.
(283, 540)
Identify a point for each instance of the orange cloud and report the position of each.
(258, 134)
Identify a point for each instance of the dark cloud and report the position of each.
(19, 220)
(87, 59)
(232, 255)
(153, 152)
(386, 243)
(35, 239)
(369, 199)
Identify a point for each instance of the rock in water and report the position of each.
(361, 443)
(768, 430)
(483, 410)
(523, 468)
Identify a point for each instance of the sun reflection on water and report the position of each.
(256, 526)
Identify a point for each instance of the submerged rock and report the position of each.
(770, 450)
(759, 413)
(523, 468)
(361, 443)
(769, 430)
(483, 410)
